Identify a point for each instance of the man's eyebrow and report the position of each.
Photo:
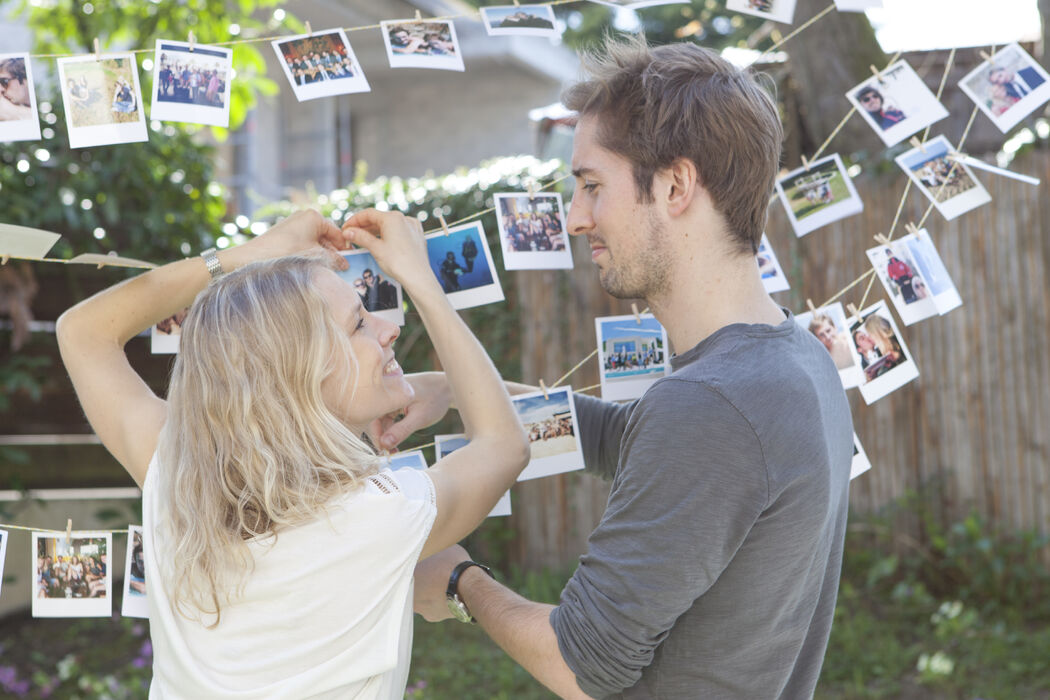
(580, 172)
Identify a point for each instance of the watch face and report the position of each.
(458, 609)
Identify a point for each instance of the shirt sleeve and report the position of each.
(692, 482)
(601, 428)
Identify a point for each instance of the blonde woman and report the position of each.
(279, 553)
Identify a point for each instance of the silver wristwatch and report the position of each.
(211, 260)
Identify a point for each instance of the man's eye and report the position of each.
(590, 186)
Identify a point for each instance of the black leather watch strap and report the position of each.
(452, 592)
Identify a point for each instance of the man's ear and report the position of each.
(681, 185)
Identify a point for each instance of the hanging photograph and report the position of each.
(632, 354)
(25, 242)
(405, 460)
(164, 336)
(73, 577)
(937, 278)
(856, 5)
(828, 324)
(191, 85)
(18, 117)
(378, 294)
(903, 282)
(773, 278)
(321, 64)
(422, 44)
(527, 20)
(950, 185)
(462, 262)
(776, 10)
(3, 557)
(1009, 88)
(896, 104)
(818, 195)
(554, 440)
(134, 603)
(102, 100)
(884, 357)
(860, 463)
(532, 231)
(445, 445)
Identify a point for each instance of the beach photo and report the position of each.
(550, 423)
(819, 194)
(102, 98)
(192, 85)
(632, 354)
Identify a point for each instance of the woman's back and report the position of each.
(325, 612)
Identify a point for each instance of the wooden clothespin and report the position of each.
(543, 388)
(915, 143)
(516, 3)
(309, 29)
(419, 16)
(809, 304)
(989, 57)
(911, 228)
(881, 239)
(444, 224)
(192, 40)
(69, 530)
(98, 50)
(4, 259)
(805, 163)
(876, 72)
(853, 312)
(634, 310)
(530, 185)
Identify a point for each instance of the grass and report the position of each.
(964, 614)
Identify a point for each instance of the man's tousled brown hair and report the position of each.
(656, 104)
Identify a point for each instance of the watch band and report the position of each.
(211, 261)
(455, 604)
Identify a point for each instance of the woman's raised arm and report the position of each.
(125, 414)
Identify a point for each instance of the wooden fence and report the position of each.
(972, 430)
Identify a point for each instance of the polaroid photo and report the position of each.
(884, 357)
(632, 354)
(18, 117)
(320, 65)
(379, 295)
(25, 242)
(897, 103)
(405, 460)
(938, 281)
(773, 278)
(191, 85)
(828, 324)
(73, 577)
(638, 4)
(953, 190)
(856, 5)
(554, 440)
(818, 195)
(134, 603)
(164, 336)
(422, 44)
(527, 20)
(462, 262)
(445, 445)
(904, 283)
(776, 10)
(532, 231)
(3, 557)
(860, 462)
(102, 99)
(1008, 88)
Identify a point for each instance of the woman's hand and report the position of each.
(302, 232)
(397, 244)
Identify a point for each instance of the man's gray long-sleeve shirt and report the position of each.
(714, 570)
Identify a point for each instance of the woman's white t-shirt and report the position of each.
(326, 612)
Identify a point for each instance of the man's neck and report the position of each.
(710, 295)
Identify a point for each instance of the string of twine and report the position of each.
(4, 526)
(805, 25)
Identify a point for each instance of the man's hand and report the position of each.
(432, 576)
(433, 398)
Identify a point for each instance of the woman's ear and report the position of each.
(681, 185)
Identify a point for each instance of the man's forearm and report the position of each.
(521, 628)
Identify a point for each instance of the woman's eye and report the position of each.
(360, 324)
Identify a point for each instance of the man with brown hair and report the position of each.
(714, 570)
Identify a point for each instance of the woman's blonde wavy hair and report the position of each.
(249, 446)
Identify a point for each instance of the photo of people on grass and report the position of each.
(72, 575)
(818, 194)
(102, 100)
(950, 185)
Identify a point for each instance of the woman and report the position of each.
(279, 553)
(123, 98)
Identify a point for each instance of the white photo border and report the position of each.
(187, 113)
(627, 388)
(546, 10)
(478, 296)
(133, 604)
(326, 88)
(104, 134)
(73, 607)
(22, 129)
(959, 204)
(560, 463)
(533, 260)
(839, 210)
(409, 61)
(1020, 109)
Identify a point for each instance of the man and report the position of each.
(14, 91)
(715, 568)
(874, 104)
(380, 294)
(823, 327)
(1018, 84)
